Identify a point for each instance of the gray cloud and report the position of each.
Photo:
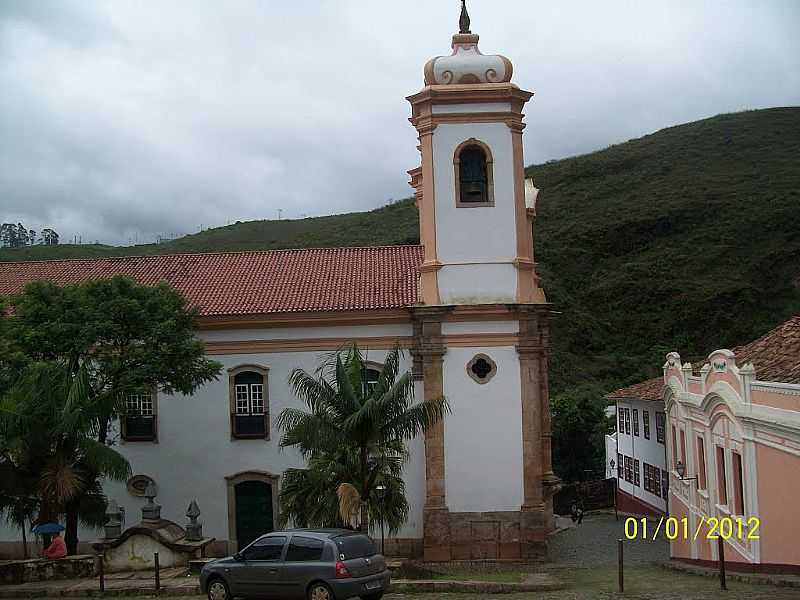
(128, 119)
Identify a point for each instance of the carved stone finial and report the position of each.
(194, 530)
(463, 21)
(193, 511)
(151, 511)
(113, 526)
(150, 491)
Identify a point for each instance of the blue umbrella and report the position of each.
(48, 529)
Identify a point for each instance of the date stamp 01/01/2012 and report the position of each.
(739, 528)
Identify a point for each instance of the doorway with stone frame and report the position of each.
(252, 507)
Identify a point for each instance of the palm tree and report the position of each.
(311, 496)
(354, 433)
(48, 429)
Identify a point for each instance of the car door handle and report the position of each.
(273, 571)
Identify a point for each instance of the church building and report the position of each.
(465, 305)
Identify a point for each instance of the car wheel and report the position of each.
(218, 590)
(320, 591)
(375, 596)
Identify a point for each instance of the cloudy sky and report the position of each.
(123, 120)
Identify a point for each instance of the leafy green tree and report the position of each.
(48, 448)
(579, 428)
(130, 337)
(355, 434)
(49, 237)
(126, 337)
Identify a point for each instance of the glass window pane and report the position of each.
(304, 549)
(257, 399)
(242, 399)
(266, 549)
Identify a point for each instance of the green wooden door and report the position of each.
(253, 511)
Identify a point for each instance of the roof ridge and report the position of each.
(216, 253)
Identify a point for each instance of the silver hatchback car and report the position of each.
(317, 564)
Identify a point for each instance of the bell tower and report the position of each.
(481, 323)
(475, 223)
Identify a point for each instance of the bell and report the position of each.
(474, 188)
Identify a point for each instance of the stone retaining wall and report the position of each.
(40, 569)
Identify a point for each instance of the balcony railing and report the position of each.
(139, 428)
(249, 426)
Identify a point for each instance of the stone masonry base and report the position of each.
(501, 535)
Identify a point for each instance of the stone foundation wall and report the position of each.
(401, 547)
(501, 535)
(23, 571)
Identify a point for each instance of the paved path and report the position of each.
(593, 543)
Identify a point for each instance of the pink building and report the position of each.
(734, 432)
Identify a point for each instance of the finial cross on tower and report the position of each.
(463, 21)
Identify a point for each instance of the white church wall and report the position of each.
(474, 234)
(295, 333)
(479, 327)
(477, 284)
(195, 451)
(483, 435)
(471, 108)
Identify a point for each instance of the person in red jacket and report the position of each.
(57, 548)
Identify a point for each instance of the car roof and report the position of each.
(320, 532)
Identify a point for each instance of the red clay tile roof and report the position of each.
(775, 355)
(250, 283)
(646, 390)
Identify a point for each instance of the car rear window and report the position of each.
(355, 546)
(303, 549)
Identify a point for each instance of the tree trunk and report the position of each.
(364, 520)
(24, 540)
(102, 433)
(71, 534)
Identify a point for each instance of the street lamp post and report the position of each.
(616, 482)
(381, 491)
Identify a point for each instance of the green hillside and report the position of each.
(685, 239)
(393, 224)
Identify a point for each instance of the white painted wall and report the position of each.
(472, 108)
(195, 451)
(646, 451)
(483, 435)
(457, 327)
(474, 234)
(294, 333)
(478, 283)
(611, 454)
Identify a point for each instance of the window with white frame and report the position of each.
(140, 405)
(249, 403)
(139, 421)
(646, 423)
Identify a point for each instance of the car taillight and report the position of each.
(341, 571)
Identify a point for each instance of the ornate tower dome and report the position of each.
(466, 64)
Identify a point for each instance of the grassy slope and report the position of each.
(685, 239)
